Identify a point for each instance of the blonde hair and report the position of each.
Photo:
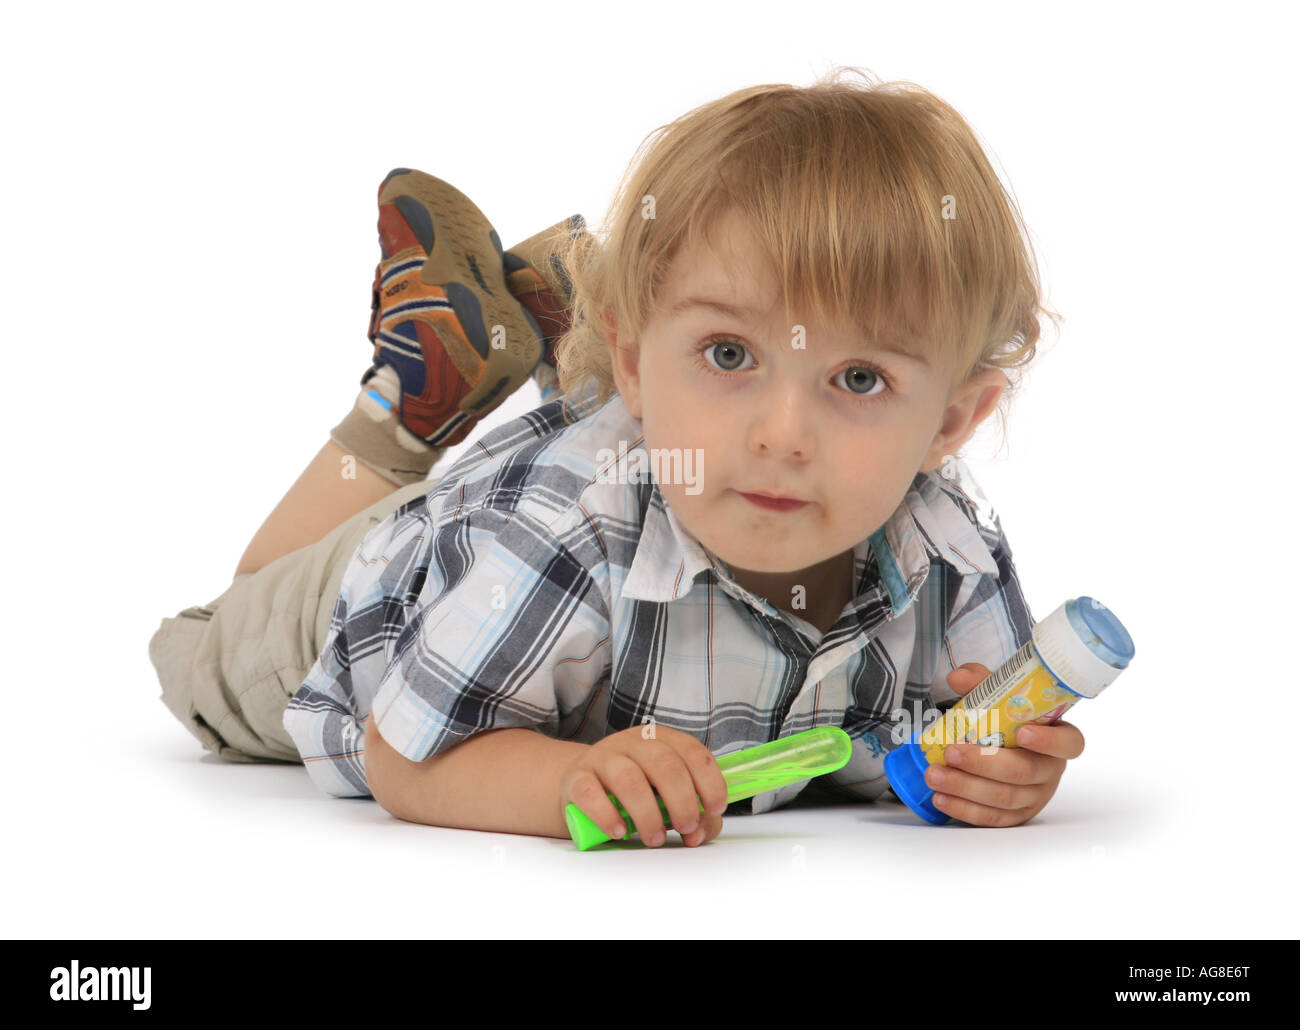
(875, 206)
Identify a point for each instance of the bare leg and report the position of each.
(321, 499)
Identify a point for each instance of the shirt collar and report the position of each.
(929, 524)
(667, 558)
(932, 523)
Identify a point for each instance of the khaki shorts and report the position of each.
(229, 667)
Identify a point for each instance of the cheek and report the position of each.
(890, 442)
(672, 417)
(867, 472)
(664, 388)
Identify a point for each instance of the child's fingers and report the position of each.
(1005, 764)
(589, 794)
(710, 826)
(627, 781)
(671, 779)
(988, 793)
(967, 677)
(709, 784)
(982, 815)
(1059, 740)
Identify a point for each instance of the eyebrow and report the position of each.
(711, 305)
(741, 314)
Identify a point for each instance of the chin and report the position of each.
(766, 562)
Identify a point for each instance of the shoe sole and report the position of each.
(461, 254)
(533, 252)
(539, 281)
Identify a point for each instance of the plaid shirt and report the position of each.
(527, 589)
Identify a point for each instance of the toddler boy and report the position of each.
(733, 525)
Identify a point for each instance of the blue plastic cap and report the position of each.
(1098, 627)
(905, 767)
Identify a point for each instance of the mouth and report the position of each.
(773, 502)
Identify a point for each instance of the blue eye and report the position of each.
(724, 345)
(872, 379)
(729, 352)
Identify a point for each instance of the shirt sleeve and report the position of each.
(515, 634)
(320, 719)
(322, 715)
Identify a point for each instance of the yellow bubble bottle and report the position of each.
(1074, 653)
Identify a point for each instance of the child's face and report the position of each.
(808, 422)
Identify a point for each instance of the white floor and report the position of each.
(139, 833)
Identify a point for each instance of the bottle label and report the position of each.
(1019, 692)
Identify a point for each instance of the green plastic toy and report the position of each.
(800, 756)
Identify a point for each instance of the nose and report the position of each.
(780, 426)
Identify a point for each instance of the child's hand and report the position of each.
(628, 764)
(1001, 786)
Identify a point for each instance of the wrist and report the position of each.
(503, 781)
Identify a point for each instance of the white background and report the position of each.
(188, 202)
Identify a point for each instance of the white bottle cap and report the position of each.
(1083, 645)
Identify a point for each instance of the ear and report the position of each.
(624, 361)
(968, 405)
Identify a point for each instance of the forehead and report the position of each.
(729, 267)
(728, 275)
